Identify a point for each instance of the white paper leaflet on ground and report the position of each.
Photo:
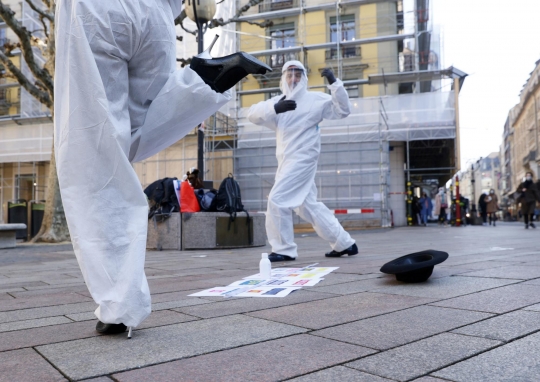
(236, 291)
(282, 282)
(298, 273)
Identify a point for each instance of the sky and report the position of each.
(497, 43)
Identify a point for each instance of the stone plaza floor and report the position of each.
(476, 319)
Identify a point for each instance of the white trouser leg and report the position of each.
(324, 222)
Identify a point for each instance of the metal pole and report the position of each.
(409, 191)
(458, 206)
(200, 132)
(456, 107)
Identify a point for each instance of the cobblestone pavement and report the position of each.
(476, 319)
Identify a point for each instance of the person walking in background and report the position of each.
(426, 208)
(492, 206)
(528, 194)
(416, 210)
(482, 208)
(441, 205)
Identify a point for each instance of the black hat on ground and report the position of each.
(414, 267)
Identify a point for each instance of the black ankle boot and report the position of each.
(223, 73)
(110, 328)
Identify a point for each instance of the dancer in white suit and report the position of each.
(118, 99)
(295, 117)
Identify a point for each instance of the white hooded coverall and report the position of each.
(298, 144)
(118, 99)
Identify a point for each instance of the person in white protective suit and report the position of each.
(119, 99)
(295, 117)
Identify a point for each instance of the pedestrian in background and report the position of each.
(416, 210)
(426, 208)
(441, 205)
(528, 195)
(492, 206)
(482, 207)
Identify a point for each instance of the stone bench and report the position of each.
(206, 230)
(8, 234)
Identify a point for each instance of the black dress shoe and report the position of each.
(351, 251)
(223, 73)
(275, 257)
(110, 328)
(532, 225)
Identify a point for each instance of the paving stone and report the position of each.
(481, 265)
(269, 361)
(445, 287)
(49, 311)
(108, 354)
(26, 366)
(99, 379)
(86, 316)
(505, 327)
(39, 301)
(5, 296)
(341, 374)
(225, 307)
(521, 272)
(339, 310)
(398, 328)
(27, 324)
(422, 357)
(499, 300)
(354, 287)
(178, 304)
(429, 379)
(517, 361)
(46, 335)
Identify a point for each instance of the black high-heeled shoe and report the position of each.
(223, 73)
(110, 328)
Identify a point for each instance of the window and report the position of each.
(283, 36)
(347, 33)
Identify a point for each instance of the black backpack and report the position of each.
(162, 197)
(228, 199)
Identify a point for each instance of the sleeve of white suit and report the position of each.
(263, 114)
(338, 107)
(183, 103)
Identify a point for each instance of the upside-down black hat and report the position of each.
(414, 267)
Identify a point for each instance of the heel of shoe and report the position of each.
(206, 54)
(130, 332)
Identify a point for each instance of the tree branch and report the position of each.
(220, 22)
(25, 38)
(44, 14)
(41, 95)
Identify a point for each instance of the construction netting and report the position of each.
(353, 168)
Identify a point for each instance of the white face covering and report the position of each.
(294, 79)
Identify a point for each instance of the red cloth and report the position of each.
(188, 200)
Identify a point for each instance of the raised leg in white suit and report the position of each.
(116, 76)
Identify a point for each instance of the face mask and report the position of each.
(492, 192)
(528, 178)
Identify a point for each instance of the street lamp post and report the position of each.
(201, 12)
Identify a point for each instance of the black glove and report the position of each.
(329, 74)
(282, 106)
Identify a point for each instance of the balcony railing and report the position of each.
(276, 5)
(346, 52)
(277, 60)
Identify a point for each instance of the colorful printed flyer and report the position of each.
(215, 292)
(268, 292)
(282, 282)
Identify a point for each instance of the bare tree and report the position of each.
(40, 84)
